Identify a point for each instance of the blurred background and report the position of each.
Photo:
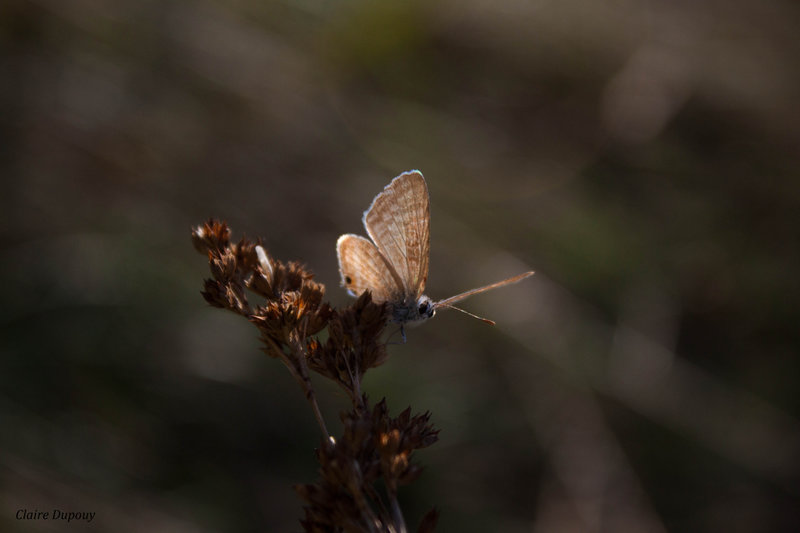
(642, 157)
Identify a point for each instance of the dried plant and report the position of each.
(360, 471)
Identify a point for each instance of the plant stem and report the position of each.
(397, 513)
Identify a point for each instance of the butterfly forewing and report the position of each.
(398, 221)
(362, 267)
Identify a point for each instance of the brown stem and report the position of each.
(300, 356)
(299, 369)
(397, 513)
(312, 399)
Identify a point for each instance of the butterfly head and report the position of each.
(423, 309)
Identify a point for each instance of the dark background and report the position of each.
(642, 157)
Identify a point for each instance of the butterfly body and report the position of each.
(393, 263)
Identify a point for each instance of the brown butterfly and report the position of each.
(394, 264)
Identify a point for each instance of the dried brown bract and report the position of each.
(213, 235)
(374, 446)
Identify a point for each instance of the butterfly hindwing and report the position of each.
(398, 221)
(362, 267)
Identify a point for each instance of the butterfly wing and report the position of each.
(398, 221)
(362, 267)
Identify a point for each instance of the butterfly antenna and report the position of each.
(485, 320)
(463, 295)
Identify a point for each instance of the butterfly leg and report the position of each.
(402, 334)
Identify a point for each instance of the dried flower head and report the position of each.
(294, 304)
(227, 263)
(374, 446)
(354, 343)
(293, 301)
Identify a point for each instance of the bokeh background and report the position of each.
(642, 157)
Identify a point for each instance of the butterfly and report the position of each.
(393, 265)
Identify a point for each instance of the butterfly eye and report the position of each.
(423, 308)
(348, 280)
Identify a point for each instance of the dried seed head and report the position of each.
(294, 303)
(373, 446)
(354, 343)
